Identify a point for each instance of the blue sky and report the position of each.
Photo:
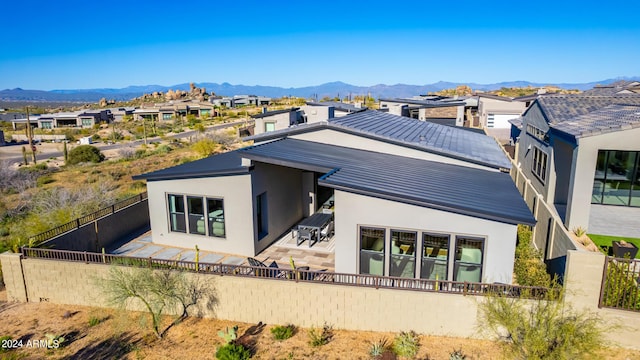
(113, 44)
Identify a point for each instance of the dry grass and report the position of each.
(122, 335)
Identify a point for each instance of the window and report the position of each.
(372, 251)
(539, 166)
(469, 254)
(167, 116)
(87, 122)
(537, 133)
(269, 126)
(261, 215)
(403, 254)
(176, 213)
(46, 124)
(617, 178)
(435, 256)
(193, 220)
(196, 215)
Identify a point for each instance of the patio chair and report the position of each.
(268, 271)
(326, 232)
(305, 234)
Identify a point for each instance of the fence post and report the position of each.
(150, 262)
(85, 257)
(604, 281)
(78, 223)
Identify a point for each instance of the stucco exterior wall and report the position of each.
(283, 187)
(333, 137)
(317, 113)
(488, 106)
(236, 194)
(584, 167)
(282, 121)
(353, 210)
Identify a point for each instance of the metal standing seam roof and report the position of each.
(439, 139)
(229, 163)
(474, 192)
(559, 108)
(608, 119)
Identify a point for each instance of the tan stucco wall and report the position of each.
(276, 302)
(333, 137)
(236, 193)
(584, 167)
(353, 210)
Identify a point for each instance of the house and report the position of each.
(409, 199)
(496, 111)
(581, 152)
(173, 110)
(339, 108)
(75, 119)
(240, 100)
(430, 108)
(622, 87)
(276, 119)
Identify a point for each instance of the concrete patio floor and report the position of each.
(320, 256)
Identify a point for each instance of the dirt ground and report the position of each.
(117, 334)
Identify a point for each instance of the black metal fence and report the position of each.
(621, 284)
(75, 224)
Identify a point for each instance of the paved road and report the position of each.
(13, 153)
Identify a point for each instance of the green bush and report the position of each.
(378, 348)
(319, 337)
(406, 344)
(93, 321)
(541, 329)
(528, 267)
(85, 153)
(233, 351)
(283, 332)
(45, 179)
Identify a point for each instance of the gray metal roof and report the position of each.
(218, 165)
(449, 141)
(426, 103)
(559, 108)
(608, 119)
(274, 112)
(338, 106)
(517, 122)
(474, 192)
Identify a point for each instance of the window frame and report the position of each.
(457, 262)
(372, 252)
(413, 257)
(538, 166)
(448, 236)
(185, 215)
(262, 219)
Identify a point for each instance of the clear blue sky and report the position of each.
(112, 44)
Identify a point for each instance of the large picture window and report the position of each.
(261, 215)
(403, 254)
(187, 215)
(539, 166)
(617, 178)
(469, 254)
(372, 251)
(435, 256)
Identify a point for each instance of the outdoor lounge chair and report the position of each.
(269, 271)
(326, 232)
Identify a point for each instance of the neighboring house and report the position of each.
(622, 87)
(276, 119)
(119, 113)
(76, 119)
(496, 111)
(240, 100)
(411, 199)
(173, 110)
(339, 108)
(432, 109)
(582, 153)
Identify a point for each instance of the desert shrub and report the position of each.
(318, 337)
(229, 334)
(41, 166)
(85, 153)
(283, 332)
(126, 153)
(44, 179)
(96, 137)
(93, 321)
(406, 344)
(233, 351)
(162, 149)
(3, 339)
(457, 354)
(378, 348)
(541, 329)
(205, 147)
(579, 231)
(528, 267)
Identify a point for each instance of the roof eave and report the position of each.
(192, 175)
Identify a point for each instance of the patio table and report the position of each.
(314, 222)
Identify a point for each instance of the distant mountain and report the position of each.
(331, 89)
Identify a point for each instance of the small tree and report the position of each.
(85, 153)
(159, 291)
(541, 329)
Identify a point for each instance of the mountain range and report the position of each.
(330, 89)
